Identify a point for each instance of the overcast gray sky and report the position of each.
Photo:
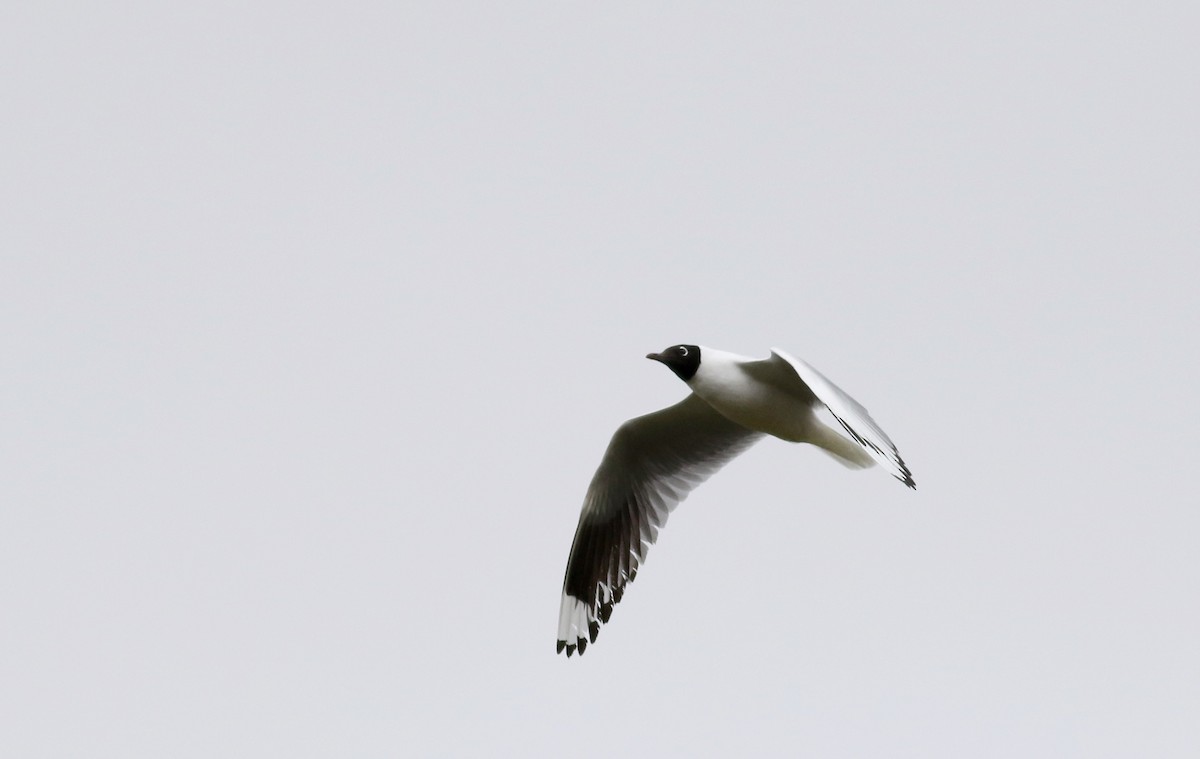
(317, 320)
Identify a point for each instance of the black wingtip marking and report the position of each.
(582, 645)
(561, 645)
(593, 631)
(570, 650)
(605, 612)
(907, 479)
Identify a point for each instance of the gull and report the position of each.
(654, 461)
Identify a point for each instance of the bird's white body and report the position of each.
(723, 381)
(765, 403)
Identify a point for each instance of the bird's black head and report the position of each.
(684, 360)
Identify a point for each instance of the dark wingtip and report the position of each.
(561, 645)
(907, 479)
(582, 645)
(593, 631)
(570, 650)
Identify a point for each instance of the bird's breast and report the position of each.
(756, 405)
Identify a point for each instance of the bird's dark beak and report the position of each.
(657, 357)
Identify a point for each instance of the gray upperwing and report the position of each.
(783, 370)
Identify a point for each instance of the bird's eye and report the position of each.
(682, 351)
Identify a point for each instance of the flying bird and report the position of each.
(654, 461)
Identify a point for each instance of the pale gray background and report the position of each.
(317, 319)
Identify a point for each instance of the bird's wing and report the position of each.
(782, 369)
(651, 465)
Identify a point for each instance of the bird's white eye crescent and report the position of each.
(682, 351)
